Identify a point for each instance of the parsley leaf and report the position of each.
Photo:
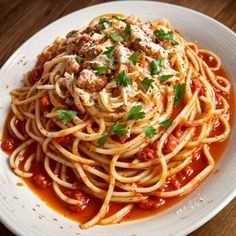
(178, 91)
(165, 35)
(122, 79)
(118, 129)
(109, 53)
(79, 59)
(101, 70)
(146, 83)
(127, 29)
(103, 138)
(149, 131)
(165, 123)
(118, 18)
(134, 57)
(116, 37)
(65, 115)
(173, 42)
(163, 78)
(155, 66)
(104, 20)
(136, 113)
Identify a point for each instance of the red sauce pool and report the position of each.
(49, 197)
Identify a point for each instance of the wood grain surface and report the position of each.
(20, 19)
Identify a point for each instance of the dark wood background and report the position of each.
(20, 19)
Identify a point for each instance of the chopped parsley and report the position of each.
(118, 18)
(117, 129)
(109, 53)
(79, 59)
(104, 20)
(165, 123)
(163, 78)
(101, 70)
(65, 115)
(156, 66)
(103, 138)
(146, 83)
(178, 91)
(136, 113)
(149, 131)
(165, 35)
(134, 57)
(122, 79)
(116, 37)
(127, 29)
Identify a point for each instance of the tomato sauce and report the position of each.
(197, 165)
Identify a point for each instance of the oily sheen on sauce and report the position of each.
(48, 196)
(41, 184)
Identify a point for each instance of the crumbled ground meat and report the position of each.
(72, 65)
(146, 154)
(123, 138)
(91, 82)
(44, 103)
(76, 41)
(41, 181)
(90, 53)
(166, 44)
(174, 182)
(40, 176)
(151, 202)
(81, 197)
(64, 141)
(170, 143)
(8, 145)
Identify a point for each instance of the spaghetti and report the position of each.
(116, 111)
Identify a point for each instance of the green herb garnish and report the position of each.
(101, 70)
(79, 59)
(109, 53)
(122, 79)
(118, 18)
(65, 115)
(146, 83)
(163, 78)
(136, 113)
(134, 57)
(149, 131)
(117, 129)
(165, 35)
(104, 20)
(127, 29)
(165, 123)
(156, 66)
(116, 37)
(103, 138)
(178, 91)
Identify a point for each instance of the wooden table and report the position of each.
(20, 19)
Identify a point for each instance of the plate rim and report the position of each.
(232, 194)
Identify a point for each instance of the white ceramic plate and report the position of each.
(17, 203)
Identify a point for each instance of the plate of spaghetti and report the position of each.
(121, 117)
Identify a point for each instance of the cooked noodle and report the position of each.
(69, 106)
